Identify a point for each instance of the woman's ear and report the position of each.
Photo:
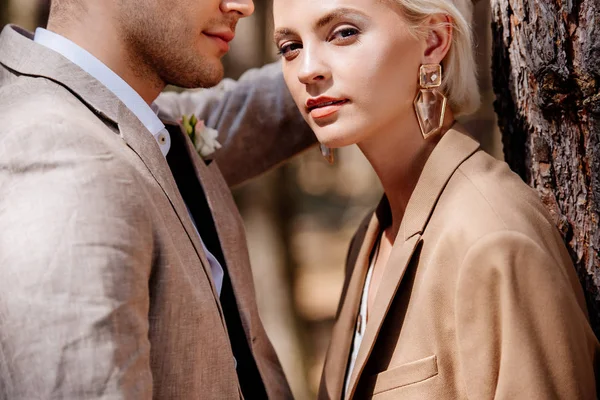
(438, 38)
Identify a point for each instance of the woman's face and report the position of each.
(351, 66)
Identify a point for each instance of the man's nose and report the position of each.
(243, 7)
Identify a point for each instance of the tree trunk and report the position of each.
(546, 63)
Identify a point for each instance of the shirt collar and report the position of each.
(113, 82)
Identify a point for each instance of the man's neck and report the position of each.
(113, 53)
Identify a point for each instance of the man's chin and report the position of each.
(205, 75)
(213, 74)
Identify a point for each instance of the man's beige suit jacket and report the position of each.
(479, 299)
(105, 289)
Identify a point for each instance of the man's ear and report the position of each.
(438, 38)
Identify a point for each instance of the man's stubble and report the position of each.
(163, 50)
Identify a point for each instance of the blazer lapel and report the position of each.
(390, 282)
(455, 147)
(336, 362)
(136, 136)
(21, 54)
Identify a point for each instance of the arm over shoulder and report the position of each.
(75, 256)
(259, 125)
(522, 330)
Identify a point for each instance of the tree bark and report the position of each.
(546, 76)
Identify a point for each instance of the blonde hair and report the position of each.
(459, 69)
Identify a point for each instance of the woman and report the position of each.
(458, 286)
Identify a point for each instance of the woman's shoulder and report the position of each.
(484, 197)
(482, 179)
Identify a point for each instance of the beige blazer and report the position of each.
(105, 290)
(479, 299)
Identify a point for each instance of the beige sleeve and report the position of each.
(76, 251)
(258, 122)
(522, 333)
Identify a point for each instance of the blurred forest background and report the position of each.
(300, 217)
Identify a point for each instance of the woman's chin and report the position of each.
(337, 139)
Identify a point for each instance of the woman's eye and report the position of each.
(289, 50)
(345, 34)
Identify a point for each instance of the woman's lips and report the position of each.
(326, 109)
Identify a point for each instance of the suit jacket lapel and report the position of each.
(455, 147)
(334, 371)
(22, 55)
(137, 138)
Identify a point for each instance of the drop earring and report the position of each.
(430, 103)
(328, 153)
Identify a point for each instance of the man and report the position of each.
(123, 263)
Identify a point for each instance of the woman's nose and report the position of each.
(243, 7)
(313, 69)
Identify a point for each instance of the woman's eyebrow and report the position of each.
(333, 15)
(281, 34)
(336, 14)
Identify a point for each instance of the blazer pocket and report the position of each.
(403, 375)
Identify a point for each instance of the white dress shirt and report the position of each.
(132, 100)
(361, 323)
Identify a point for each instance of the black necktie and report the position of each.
(192, 192)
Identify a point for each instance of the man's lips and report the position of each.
(324, 106)
(222, 39)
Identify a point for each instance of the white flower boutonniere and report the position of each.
(203, 137)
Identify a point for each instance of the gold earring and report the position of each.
(327, 153)
(430, 103)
